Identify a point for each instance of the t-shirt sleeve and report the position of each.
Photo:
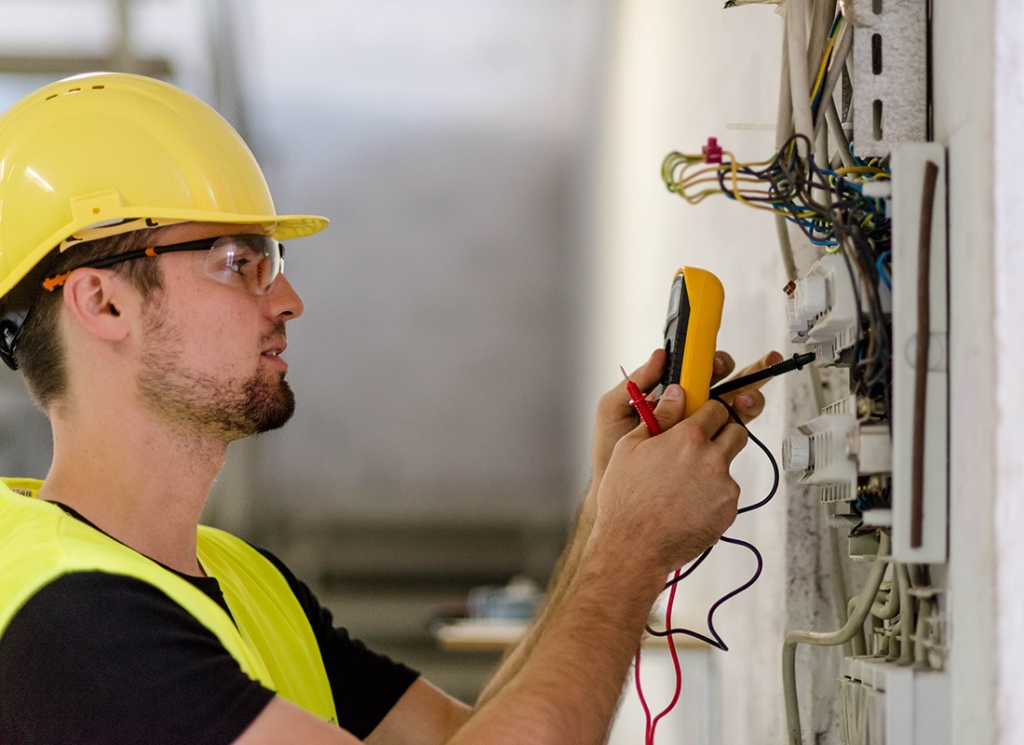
(111, 660)
(365, 684)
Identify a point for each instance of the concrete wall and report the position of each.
(441, 140)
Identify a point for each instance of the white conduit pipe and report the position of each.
(784, 118)
(799, 78)
(859, 642)
(835, 126)
(823, 13)
(828, 639)
(892, 603)
(924, 609)
(906, 617)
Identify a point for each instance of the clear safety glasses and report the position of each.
(250, 261)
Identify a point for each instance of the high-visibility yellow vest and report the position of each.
(273, 642)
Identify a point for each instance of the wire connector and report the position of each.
(712, 151)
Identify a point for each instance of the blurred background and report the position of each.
(501, 242)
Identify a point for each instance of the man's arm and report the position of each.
(661, 502)
(615, 418)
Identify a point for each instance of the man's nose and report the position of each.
(283, 300)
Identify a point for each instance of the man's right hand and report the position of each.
(665, 499)
(616, 416)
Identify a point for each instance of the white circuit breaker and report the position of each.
(883, 703)
(835, 449)
(822, 308)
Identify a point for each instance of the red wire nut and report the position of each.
(712, 152)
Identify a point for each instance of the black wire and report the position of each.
(775, 474)
(716, 640)
(862, 234)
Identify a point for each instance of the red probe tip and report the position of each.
(641, 404)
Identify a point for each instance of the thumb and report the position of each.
(671, 406)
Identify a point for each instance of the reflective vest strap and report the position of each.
(270, 618)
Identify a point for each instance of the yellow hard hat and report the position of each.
(102, 153)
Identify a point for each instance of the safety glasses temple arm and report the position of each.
(52, 283)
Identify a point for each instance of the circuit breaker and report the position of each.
(882, 703)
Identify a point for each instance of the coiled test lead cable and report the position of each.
(643, 407)
(646, 413)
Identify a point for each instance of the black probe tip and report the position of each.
(796, 362)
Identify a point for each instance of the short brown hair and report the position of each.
(40, 353)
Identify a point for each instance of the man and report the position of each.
(143, 298)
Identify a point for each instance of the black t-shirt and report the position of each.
(110, 660)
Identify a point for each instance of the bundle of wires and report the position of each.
(830, 208)
(811, 197)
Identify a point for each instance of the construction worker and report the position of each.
(143, 297)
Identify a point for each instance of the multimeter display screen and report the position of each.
(673, 299)
(675, 331)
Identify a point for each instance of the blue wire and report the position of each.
(882, 274)
(853, 155)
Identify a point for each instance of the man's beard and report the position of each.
(229, 409)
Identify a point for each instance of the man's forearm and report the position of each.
(561, 580)
(565, 685)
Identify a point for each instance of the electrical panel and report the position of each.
(823, 311)
(846, 451)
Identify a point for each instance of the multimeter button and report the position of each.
(796, 453)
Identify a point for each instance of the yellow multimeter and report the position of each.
(691, 330)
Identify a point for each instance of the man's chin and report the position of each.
(271, 409)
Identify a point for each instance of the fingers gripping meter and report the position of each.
(691, 329)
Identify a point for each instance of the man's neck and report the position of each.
(140, 481)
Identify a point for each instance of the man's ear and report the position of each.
(96, 300)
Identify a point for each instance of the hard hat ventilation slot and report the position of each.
(73, 90)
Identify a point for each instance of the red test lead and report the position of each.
(641, 404)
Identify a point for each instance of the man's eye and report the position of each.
(237, 264)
